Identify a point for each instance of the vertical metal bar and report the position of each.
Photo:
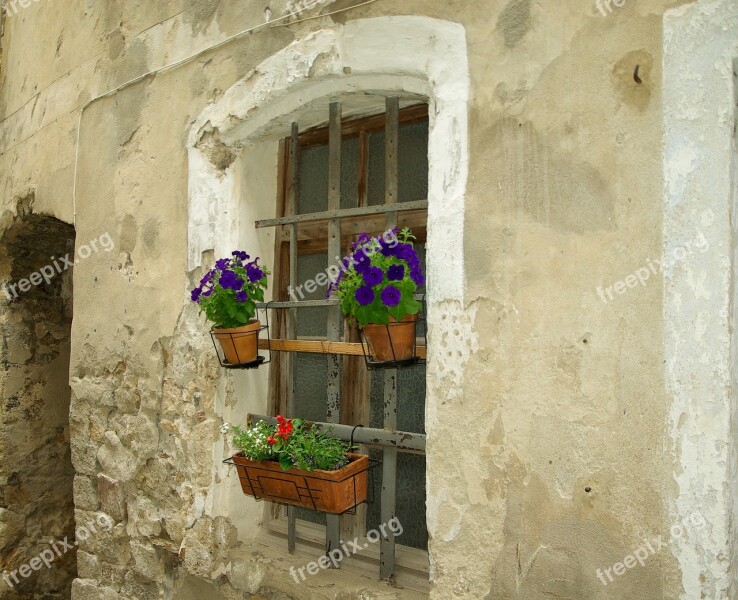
(292, 313)
(333, 413)
(292, 209)
(389, 455)
(389, 478)
(362, 182)
(391, 164)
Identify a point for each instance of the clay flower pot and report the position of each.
(393, 342)
(333, 492)
(240, 344)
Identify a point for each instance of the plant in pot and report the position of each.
(298, 464)
(227, 295)
(376, 287)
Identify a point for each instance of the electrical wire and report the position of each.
(174, 65)
(328, 14)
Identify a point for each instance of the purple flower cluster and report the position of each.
(224, 274)
(406, 253)
(360, 261)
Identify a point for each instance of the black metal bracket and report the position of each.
(261, 359)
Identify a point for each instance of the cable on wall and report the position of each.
(179, 63)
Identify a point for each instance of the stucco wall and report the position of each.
(699, 297)
(549, 448)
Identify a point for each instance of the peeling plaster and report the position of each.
(411, 55)
(700, 44)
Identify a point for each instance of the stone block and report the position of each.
(85, 494)
(112, 497)
(88, 589)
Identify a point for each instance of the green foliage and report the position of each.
(293, 444)
(253, 441)
(228, 293)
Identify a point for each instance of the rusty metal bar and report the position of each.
(311, 303)
(333, 409)
(398, 440)
(389, 455)
(364, 211)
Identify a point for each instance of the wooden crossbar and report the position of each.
(321, 347)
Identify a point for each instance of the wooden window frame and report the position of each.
(312, 238)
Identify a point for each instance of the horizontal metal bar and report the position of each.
(299, 303)
(311, 303)
(402, 440)
(343, 212)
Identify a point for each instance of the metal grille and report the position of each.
(312, 208)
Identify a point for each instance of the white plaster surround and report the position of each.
(415, 58)
(408, 56)
(700, 45)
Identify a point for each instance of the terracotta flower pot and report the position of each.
(393, 342)
(332, 492)
(240, 344)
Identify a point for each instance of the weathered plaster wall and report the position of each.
(565, 394)
(549, 444)
(700, 295)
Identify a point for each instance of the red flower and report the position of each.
(271, 440)
(285, 428)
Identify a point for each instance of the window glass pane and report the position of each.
(313, 192)
(413, 164)
(410, 502)
(311, 370)
(349, 172)
(311, 381)
(410, 399)
(311, 322)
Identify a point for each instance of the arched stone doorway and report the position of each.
(36, 475)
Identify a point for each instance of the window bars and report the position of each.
(388, 438)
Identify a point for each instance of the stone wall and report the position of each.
(35, 461)
(549, 452)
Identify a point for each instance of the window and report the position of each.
(362, 184)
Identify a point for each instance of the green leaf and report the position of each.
(285, 462)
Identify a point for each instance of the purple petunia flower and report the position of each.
(240, 255)
(405, 252)
(373, 276)
(395, 272)
(363, 239)
(242, 296)
(230, 280)
(417, 276)
(207, 278)
(360, 258)
(207, 292)
(364, 295)
(254, 273)
(222, 264)
(196, 294)
(391, 296)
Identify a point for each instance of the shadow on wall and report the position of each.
(36, 475)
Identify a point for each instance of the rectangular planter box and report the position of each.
(333, 492)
